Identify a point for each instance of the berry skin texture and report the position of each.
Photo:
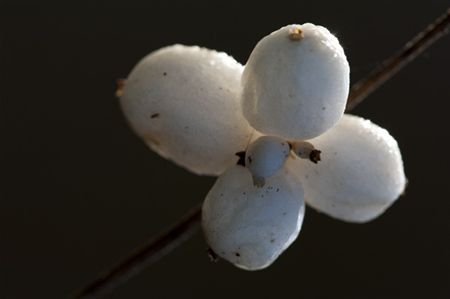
(183, 101)
(249, 226)
(265, 156)
(360, 175)
(296, 82)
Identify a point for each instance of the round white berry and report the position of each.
(296, 82)
(183, 102)
(265, 156)
(360, 173)
(249, 226)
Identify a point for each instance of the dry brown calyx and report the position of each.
(120, 84)
(295, 33)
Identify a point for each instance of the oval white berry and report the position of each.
(265, 156)
(249, 226)
(183, 102)
(360, 173)
(296, 82)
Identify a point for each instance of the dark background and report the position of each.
(79, 190)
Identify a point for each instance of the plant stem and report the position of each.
(144, 256)
(388, 68)
(181, 231)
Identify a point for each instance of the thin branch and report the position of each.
(361, 89)
(141, 258)
(189, 224)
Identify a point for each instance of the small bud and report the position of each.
(305, 150)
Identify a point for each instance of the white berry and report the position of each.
(296, 82)
(360, 173)
(183, 102)
(265, 156)
(249, 226)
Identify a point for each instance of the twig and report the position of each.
(361, 89)
(185, 228)
(141, 258)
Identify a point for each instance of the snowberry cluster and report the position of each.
(274, 132)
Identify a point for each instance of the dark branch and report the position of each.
(391, 66)
(144, 256)
(185, 228)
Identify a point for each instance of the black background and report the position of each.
(79, 190)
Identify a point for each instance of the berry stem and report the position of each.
(181, 231)
(388, 68)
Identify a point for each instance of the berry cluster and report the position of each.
(275, 133)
